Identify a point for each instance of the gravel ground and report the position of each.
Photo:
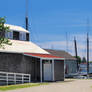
(67, 86)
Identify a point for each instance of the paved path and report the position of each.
(67, 86)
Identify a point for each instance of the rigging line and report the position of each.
(32, 37)
(88, 25)
(36, 33)
(67, 42)
(26, 12)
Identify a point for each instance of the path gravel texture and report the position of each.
(67, 86)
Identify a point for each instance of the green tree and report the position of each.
(78, 59)
(3, 30)
(83, 60)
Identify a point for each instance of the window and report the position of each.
(27, 36)
(15, 35)
(22, 36)
(6, 34)
(9, 35)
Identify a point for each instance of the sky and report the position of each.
(51, 20)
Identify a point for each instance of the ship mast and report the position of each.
(76, 54)
(87, 54)
(88, 47)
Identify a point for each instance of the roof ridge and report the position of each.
(16, 27)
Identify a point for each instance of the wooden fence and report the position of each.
(7, 78)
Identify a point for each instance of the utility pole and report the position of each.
(75, 44)
(26, 18)
(26, 22)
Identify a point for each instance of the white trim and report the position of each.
(11, 52)
(53, 58)
(16, 28)
(14, 73)
(40, 70)
(53, 75)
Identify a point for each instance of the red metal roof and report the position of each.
(42, 55)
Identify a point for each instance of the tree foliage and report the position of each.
(84, 60)
(78, 59)
(3, 30)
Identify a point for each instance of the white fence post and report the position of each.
(22, 78)
(7, 78)
(14, 78)
(29, 78)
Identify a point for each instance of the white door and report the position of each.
(47, 72)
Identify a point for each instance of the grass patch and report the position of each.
(13, 87)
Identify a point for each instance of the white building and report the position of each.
(17, 33)
(23, 56)
(19, 38)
